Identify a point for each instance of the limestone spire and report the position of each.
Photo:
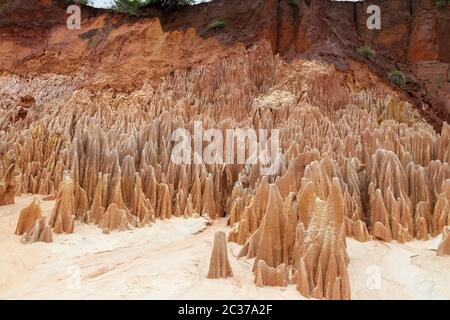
(63, 215)
(219, 266)
(28, 216)
(272, 231)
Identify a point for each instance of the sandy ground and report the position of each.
(405, 271)
(170, 260)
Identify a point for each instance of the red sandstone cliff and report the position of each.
(121, 52)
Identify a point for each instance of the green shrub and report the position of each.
(170, 4)
(4, 5)
(397, 77)
(133, 7)
(217, 25)
(366, 52)
(294, 3)
(441, 3)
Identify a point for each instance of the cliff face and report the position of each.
(113, 50)
(413, 38)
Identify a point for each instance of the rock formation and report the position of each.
(27, 218)
(64, 213)
(7, 185)
(268, 276)
(272, 231)
(316, 253)
(219, 266)
(444, 246)
(356, 158)
(40, 231)
(114, 218)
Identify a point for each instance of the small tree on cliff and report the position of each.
(441, 3)
(133, 7)
(4, 5)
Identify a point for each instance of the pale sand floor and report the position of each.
(170, 260)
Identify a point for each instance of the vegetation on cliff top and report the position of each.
(134, 7)
(3, 5)
(441, 3)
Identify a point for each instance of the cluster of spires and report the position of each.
(359, 165)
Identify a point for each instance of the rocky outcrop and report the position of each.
(322, 265)
(114, 218)
(316, 253)
(7, 185)
(27, 218)
(219, 266)
(444, 246)
(64, 212)
(40, 231)
(272, 277)
(272, 231)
